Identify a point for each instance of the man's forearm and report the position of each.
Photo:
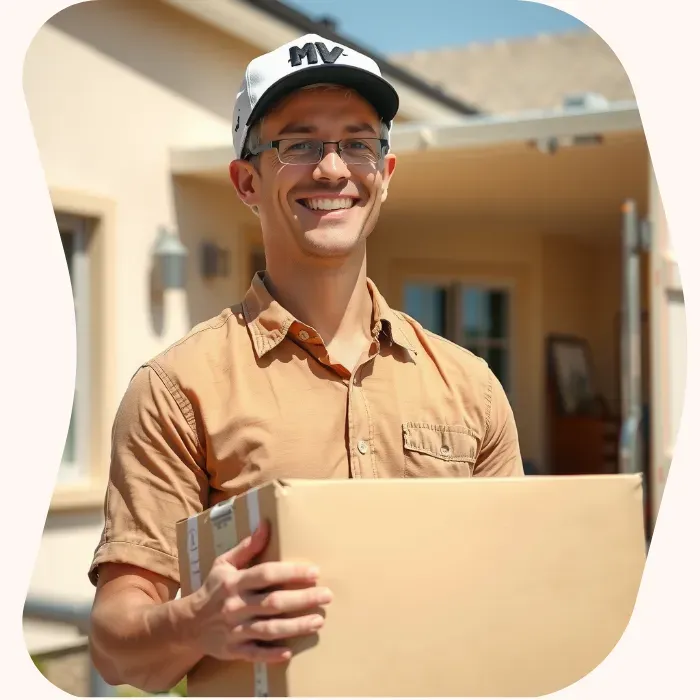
(143, 643)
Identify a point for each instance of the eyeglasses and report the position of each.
(311, 151)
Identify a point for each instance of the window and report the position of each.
(474, 316)
(428, 305)
(75, 463)
(484, 327)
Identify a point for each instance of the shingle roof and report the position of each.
(389, 69)
(523, 74)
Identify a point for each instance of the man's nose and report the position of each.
(331, 166)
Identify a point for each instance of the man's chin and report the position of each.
(328, 243)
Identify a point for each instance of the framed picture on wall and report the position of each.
(571, 372)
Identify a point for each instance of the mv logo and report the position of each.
(310, 52)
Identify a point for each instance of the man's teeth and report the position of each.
(329, 204)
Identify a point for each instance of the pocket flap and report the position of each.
(452, 443)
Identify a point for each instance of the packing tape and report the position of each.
(225, 536)
(253, 510)
(260, 670)
(193, 553)
(223, 527)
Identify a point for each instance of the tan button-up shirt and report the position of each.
(252, 395)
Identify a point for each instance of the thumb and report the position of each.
(249, 548)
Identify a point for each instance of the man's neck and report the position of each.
(332, 299)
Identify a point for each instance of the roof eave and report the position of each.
(307, 24)
(473, 132)
(267, 26)
(522, 127)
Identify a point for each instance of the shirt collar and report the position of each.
(384, 318)
(269, 322)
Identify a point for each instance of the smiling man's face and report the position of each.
(326, 210)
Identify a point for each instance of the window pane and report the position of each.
(497, 305)
(484, 327)
(484, 314)
(427, 303)
(497, 359)
(70, 455)
(474, 318)
(69, 449)
(68, 248)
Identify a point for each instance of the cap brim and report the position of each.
(377, 91)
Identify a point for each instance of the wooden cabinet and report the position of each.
(583, 433)
(583, 444)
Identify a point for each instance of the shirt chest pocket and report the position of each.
(434, 450)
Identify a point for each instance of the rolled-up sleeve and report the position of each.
(500, 452)
(157, 476)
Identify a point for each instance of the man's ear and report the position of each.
(389, 167)
(246, 180)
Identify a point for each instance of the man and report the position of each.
(312, 375)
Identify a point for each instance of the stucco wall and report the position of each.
(561, 284)
(581, 288)
(399, 250)
(111, 87)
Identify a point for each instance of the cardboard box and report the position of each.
(442, 587)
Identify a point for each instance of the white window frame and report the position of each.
(79, 472)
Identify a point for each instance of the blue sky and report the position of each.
(390, 26)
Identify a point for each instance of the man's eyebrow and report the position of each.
(298, 128)
(360, 128)
(301, 128)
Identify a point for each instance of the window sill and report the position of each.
(76, 498)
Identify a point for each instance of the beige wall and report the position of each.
(562, 284)
(551, 224)
(109, 95)
(111, 87)
(60, 573)
(668, 345)
(213, 213)
(400, 250)
(582, 296)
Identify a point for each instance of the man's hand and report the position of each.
(246, 613)
(141, 635)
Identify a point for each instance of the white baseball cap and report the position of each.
(308, 60)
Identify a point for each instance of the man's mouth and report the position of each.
(328, 203)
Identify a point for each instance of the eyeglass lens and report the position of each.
(352, 151)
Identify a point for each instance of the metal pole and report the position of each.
(630, 375)
(76, 615)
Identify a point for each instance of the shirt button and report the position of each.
(445, 450)
(303, 335)
(362, 447)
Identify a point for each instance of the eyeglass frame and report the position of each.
(274, 145)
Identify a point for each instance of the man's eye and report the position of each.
(356, 145)
(299, 146)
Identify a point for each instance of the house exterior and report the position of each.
(502, 227)
(111, 88)
(516, 75)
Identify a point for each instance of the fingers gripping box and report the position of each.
(442, 587)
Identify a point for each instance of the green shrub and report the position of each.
(180, 690)
(39, 665)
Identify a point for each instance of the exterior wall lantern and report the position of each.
(170, 257)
